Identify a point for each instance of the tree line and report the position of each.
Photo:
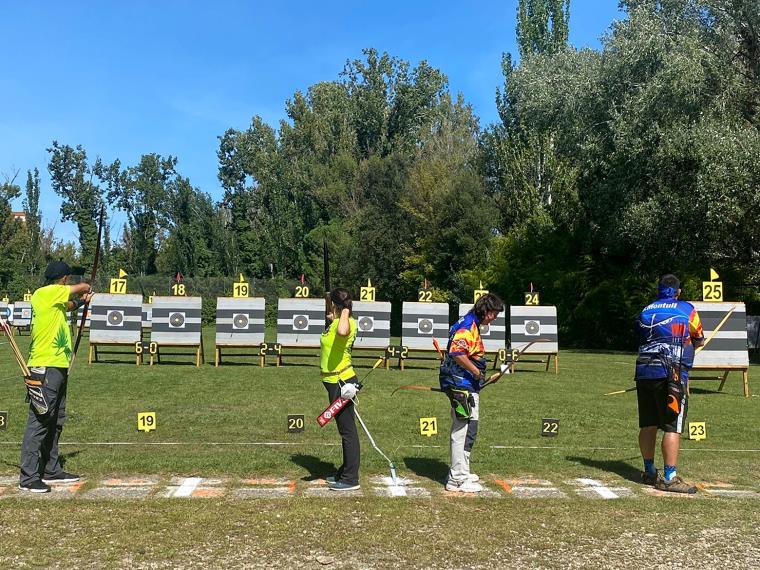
(607, 168)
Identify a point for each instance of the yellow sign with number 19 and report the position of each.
(146, 421)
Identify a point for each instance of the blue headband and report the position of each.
(664, 292)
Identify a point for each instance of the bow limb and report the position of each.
(86, 306)
(326, 275)
(419, 388)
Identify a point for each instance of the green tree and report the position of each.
(31, 203)
(542, 26)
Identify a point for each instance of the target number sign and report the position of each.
(3, 421)
(295, 423)
(179, 290)
(425, 296)
(478, 294)
(367, 293)
(712, 291)
(118, 286)
(429, 426)
(5, 299)
(271, 349)
(146, 421)
(240, 290)
(27, 297)
(549, 427)
(531, 298)
(697, 431)
(396, 351)
(302, 291)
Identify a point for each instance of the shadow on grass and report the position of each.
(434, 469)
(317, 468)
(620, 468)
(694, 390)
(71, 455)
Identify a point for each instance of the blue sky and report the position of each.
(168, 76)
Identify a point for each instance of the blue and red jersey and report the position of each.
(668, 330)
(464, 340)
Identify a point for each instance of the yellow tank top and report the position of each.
(335, 354)
(51, 338)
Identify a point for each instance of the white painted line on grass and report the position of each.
(187, 487)
(320, 444)
(599, 487)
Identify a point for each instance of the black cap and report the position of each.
(57, 269)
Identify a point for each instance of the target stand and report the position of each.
(176, 322)
(533, 332)
(239, 324)
(727, 350)
(22, 317)
(422, 322)
(115, 321)
(300, 323)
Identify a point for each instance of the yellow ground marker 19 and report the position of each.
(146, 421)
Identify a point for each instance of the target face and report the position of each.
(300, 322)
(425, 326)
(532, 328)
(177, 320)
(26, 313)
(239, 321)
(485, 330)
(366, 324)
(5, 313)
(115, 318)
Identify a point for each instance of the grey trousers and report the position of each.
(463, 435)
(39, 449)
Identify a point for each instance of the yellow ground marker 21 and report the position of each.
(429, 426)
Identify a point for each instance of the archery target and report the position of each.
(422, 322)
(425, 326)
(6, 311)
(239, 321)
(22, 314)
(300, 322)
(494, 334)
(115, 319)
(532, 328)
(534, 324)
(366, 324)
(727, 347)
(176, 320)
(373, 323)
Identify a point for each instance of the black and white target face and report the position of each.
(532, 328)
(366, 324)
(300, 322)
(26, 313)
(177, 320)
(5, 312)
(240, 321)
(115, 318)
(485, 330)
(425, 326)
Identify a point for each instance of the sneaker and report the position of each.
(62, 477)
(472, 478)
(342, 486)
(330, 479)
(648, 479)
(35, 487)
(465, 486)
(675, 485)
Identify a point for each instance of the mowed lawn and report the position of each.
(230, 422)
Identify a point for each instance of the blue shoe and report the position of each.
(343, 486)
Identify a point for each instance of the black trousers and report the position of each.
(349, 435)
(39, 450)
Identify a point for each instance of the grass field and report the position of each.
(230, 423)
